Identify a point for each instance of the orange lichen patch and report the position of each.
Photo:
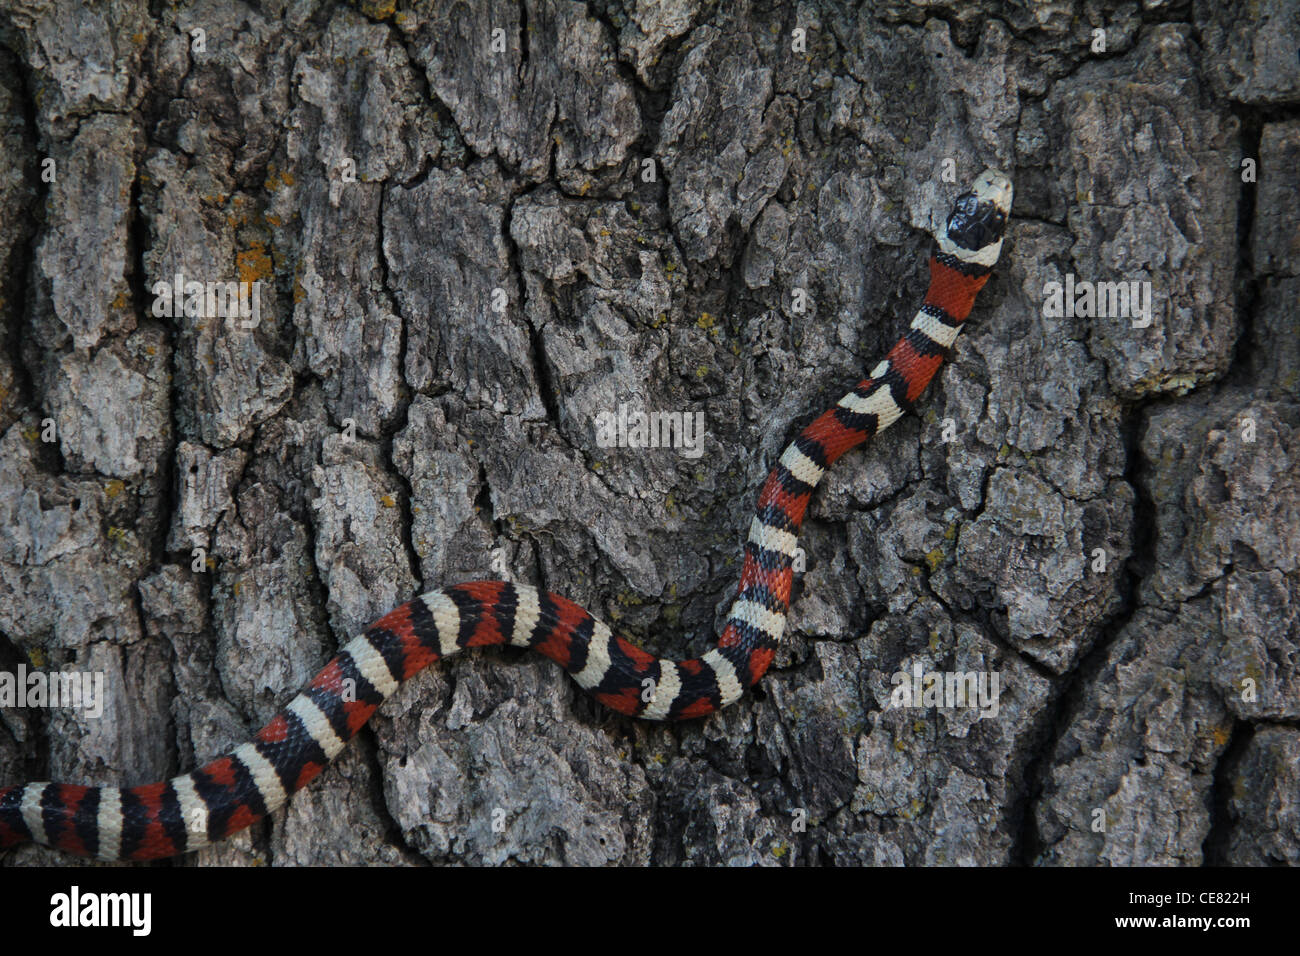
(378, 9)
(254, 263)
(275, 179)
(119, 301)
(115, 487)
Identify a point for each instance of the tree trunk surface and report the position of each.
(477, 230)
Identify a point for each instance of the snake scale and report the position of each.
(159, 820)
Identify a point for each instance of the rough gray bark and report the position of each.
(475, 453)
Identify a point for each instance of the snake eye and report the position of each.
(996, 222)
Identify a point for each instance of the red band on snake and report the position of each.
(234, 791)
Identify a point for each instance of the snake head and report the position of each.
(974, 229)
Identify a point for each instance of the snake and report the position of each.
(234, 791)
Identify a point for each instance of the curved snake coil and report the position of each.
(232, 792)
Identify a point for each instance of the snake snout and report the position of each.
(994, 186)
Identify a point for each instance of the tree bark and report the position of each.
(476, 228)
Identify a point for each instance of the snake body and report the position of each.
(234, 791)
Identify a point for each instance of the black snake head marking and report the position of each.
(974, 229)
